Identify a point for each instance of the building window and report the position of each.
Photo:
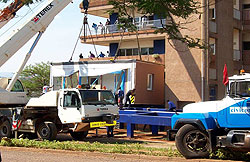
(246, 45)
(246, 6)
(213, 49)
(150, 81)
(212, 13)
(135, 51)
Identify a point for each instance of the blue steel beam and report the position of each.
(154, 121)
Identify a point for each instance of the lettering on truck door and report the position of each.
(69, 109)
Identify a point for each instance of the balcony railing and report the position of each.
(236, 55)
(237, 14)
(109, 29)
(212, 27)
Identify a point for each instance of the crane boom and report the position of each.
(38, 23)
(9, 12)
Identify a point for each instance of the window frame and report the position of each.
(150, 82)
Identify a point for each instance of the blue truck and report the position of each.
(206, 126)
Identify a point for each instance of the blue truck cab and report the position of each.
(206, 126)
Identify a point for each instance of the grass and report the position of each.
(126, 148)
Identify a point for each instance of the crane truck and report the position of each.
(205, 126)
(66, 110)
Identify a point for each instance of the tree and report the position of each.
(34, 77)
(172, 10)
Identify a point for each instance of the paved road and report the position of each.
(13, 154)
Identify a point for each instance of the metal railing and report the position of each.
(236, 55)
(237, 14)
(109, 29)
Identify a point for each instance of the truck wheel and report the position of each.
(47, 130)
(192, 142)
(5, 129)
(79, 136)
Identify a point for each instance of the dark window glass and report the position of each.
(151, 51)
(246, 45)
(144, 51)
(18, 87)
(135, 51)
(122, 52)
(246, 6)
(71, 99)
(92, 80)
(97, 97)
(129, 52)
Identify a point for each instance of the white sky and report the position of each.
(58, 41)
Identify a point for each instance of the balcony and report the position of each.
(212, 27)
(97, 3)
(236, 56)
(111, 31)
(237, 14)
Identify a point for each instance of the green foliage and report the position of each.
(172, 10)
(227, 154)
(34, 77)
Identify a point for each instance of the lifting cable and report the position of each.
(92, 40)
(76, 43)
(118, 48)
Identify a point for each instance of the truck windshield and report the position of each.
(97, 97)
(240, 89)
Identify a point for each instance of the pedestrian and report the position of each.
(101, 55)
(108, 54)
(143, 20)
(101, 27)
(95, 27)
(46, 89)
(80, 56)
(120, 97)
(127, 99)
(107, 25)
(171, 106)
(91, 55)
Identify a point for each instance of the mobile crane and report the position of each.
(65, 110)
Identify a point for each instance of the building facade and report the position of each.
(191, 74)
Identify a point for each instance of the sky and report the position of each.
(57, 42)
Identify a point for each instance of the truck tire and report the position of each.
(47, 131)
(79, 136)
(5, 129)
(192, 142)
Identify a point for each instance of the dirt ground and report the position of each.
(120, 136)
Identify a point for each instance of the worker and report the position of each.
(101, 55)
(46, 89)
(171, 106)
(120, 97)
(95, 27)
(127, 99)
(80, 56)
(91, 55)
